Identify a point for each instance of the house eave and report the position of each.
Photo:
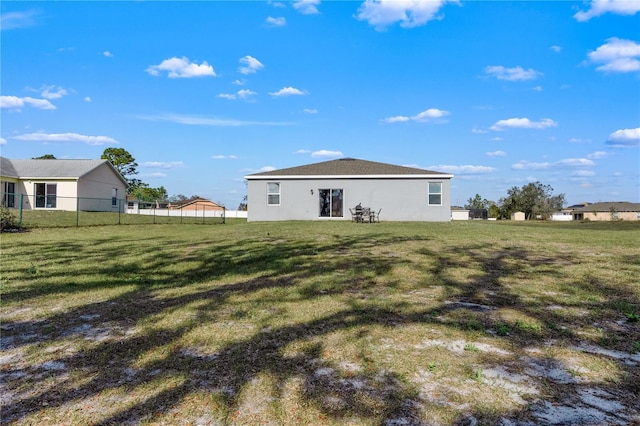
(319, 177)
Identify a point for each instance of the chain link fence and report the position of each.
(47, 212)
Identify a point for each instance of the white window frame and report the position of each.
(434, 193)
(47, 195)
(271, 193)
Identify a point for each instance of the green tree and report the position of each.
(45, 157)
(477, 202)
(124, 163)
(145, 193)
(243, 204)
(534, 199)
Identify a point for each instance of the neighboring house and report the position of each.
(88, 185)
(608, 211)
(199, 204)
(328, 190)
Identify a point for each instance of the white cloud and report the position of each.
(625, 138)
(3, 141)
(323, 153)
(556, 49)
(538, 89)
(276, 22)
(276, 4)
(224, 157)
(477, 131)
(288, 91)
(191, 120)
(182, 68)
(87, 99)
(600, 7)
(617, 55)
(154, 175)
(410, 13)
(583, 173)
(239, 82)
(264, 169)
(496, 154)
(307, 7)
(512, 74)
(463, 170)
(107, 54)
(14, 102)
(568, 162)
(575, 162)
(13, 20)
(162, 164)
(597, 155)
(578, 140)
(53, 92)
(251, 65)
(302, 151)
(428, 115)
(310, 111)
(66, 137)
(240, 94)
(397, 119)
(497, 139)
(523, 123)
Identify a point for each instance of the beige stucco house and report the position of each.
(608, 211)
(87, 185)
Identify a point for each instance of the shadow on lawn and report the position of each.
(295, 267)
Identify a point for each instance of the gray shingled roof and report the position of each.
(42, 169)
(619, 206)
(6, 168)
(348, 167)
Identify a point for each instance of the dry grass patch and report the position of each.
(322, 323)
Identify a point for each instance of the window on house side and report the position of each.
(273, 193)
(46, 195)
(435, 193)
(114, 197)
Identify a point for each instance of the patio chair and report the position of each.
(375, 216)
(354, 216)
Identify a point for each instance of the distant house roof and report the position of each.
(54, 169)
(349, 167)
(198, 200)
(619, 206)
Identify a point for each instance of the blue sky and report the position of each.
(499, 94)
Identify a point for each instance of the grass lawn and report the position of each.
(322, 323)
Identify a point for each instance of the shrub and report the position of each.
(8, 220)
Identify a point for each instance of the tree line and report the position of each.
(535, 200)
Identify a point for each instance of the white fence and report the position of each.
(189, 213)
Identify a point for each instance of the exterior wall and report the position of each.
(66, 192)
(562, 217)
(607, 216)
(459, 214)
(403, 199)
(518, 216)
(95, 190)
